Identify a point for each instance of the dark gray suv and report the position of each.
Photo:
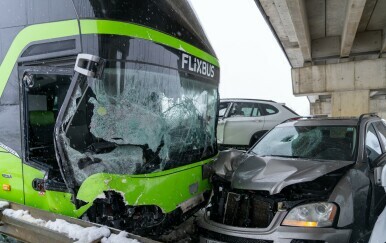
(309, 180)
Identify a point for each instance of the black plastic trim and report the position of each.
(51, 52)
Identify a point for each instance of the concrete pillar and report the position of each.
(350, 103)
(378, 105)
(320, 108)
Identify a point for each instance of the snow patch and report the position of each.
(120, 238)
(76, 232)
(23, 215)
(3, 204)
(101, 196)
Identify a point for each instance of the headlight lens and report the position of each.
(311, 215)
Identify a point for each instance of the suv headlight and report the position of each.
(311, 215)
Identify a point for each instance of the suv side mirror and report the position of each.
(380, 176)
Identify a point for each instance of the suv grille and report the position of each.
(243, 210)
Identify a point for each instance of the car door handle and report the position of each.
(259, 121)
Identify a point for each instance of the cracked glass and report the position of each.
(309, 142)
(139, 118)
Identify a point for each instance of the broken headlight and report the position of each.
(311, 215)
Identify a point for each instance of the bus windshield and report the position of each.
(139, 118)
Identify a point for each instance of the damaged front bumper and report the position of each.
(212, 232)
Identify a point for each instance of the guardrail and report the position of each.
(32, 227)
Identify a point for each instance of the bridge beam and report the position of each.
(289, 21)
(354, 12)
(354, 87)
(297, 10)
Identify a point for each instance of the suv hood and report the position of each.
(272, 174)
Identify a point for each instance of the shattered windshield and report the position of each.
(139, 118)
(309, 142)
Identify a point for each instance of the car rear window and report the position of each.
(269, 109)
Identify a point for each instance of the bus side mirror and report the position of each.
(380, 176)
(29, 80)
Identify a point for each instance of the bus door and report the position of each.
(43, 92)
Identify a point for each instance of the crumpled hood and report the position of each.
(273, 173)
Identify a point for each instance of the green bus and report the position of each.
(107, 110)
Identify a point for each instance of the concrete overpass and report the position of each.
(337, 50)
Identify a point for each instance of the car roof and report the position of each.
(246, 99)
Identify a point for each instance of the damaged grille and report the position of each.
(242, 210)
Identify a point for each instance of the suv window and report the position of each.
(223, 108)
(382, 133)
(373, 147)
(245, 109)
(256, 111)
(269, 109)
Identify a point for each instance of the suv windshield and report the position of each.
(139, 118)
(309, 142)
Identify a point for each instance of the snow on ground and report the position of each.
(77, 232)
(73, 231)
(4, 204)
(23, 215)
(120, 238)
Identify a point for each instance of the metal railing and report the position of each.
(30, 232)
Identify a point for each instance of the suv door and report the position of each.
(271, 116)
(242, 121)
(222, 111)
(374, 146)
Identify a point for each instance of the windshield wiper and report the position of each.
(284, 156)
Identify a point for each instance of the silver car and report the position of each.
(306, 181)
(243, 121)
(379, 235)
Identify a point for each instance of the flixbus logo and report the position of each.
(196, 65)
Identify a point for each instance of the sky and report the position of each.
(252, 63)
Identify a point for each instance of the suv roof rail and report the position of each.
(304, 117)
(296, 118)
(248, 99)
(373, 114)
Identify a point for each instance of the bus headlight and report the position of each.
(311, 215)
